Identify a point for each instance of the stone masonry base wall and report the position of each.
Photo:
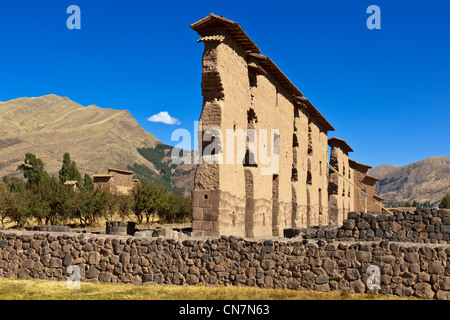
(406, 269)
(420, 226)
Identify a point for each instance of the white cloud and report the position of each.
(164, 117)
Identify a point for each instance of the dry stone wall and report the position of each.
(406, 269)
(420, 226)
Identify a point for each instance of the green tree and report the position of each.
(69, 170)
(60, 202)
(415, 204)
(175, 209)
(15, 207)
(82, 206)
(102, 203)
(37, 206)
(46, 198)
(445, 203)
(3, 187)
(148, 199)
(3, 212)
(16, 185)
(151, 200)
(139, 205)
(124, 205)
(88, 183)
(89, 205)
(33, 170)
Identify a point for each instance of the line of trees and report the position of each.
(426, 204)
(443, 204)
(46, 200)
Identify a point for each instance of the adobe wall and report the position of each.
(248, 202)
(363, 182)
(340, 191)
(116, 181)
(103, 182)
(317, 185)
(225, 182)
(372, 204)
(122, 179)
(406, 269)
(352, 191)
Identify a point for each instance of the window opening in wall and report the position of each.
(276, 143)
(207, 143)
(276, 98)
(310, 147)
(251, 116)
(309, 177)
(320, 201)
(294, 175)
(252, 79)
(249, 160)
(294, 141)
(275, 207)
(275, 187)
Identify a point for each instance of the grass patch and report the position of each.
(13, 289)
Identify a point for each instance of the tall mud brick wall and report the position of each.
(244, 91)
(365, 198)
(340, 190)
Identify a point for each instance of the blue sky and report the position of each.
(386, 92)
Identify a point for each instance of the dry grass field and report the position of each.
(12, 289)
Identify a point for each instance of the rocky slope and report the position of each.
(49, 126)
(426, 180)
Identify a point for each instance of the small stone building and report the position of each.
(116, 181)
(74, 185)
(245, 92)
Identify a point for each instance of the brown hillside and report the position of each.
(50, 125)
(426, 180)
(383, 170)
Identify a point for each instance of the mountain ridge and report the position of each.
(48, 126)
(421, 181)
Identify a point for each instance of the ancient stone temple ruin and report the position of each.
(244, 192)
